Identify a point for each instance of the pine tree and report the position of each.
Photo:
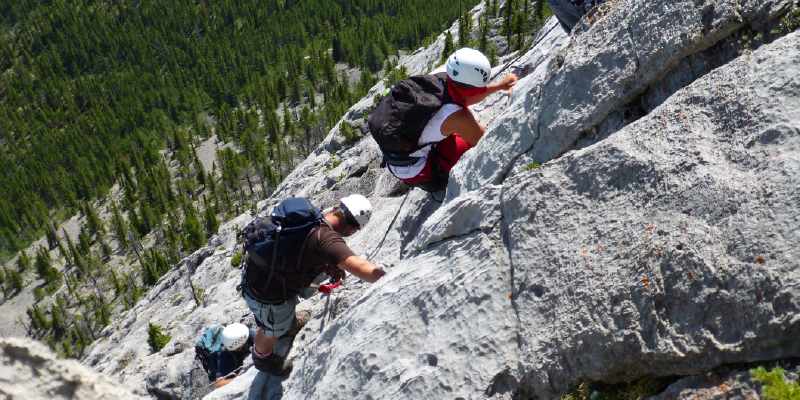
(509, 13)
(95, 224)
(44, 270)
(23, 262)
(193, 232)
(119, 226)
(464, 25)
(83, 242)
(449, 47)
(76, 257)
(483, 42)
(210, 219)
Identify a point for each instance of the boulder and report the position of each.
(29, 370)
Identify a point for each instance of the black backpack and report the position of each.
(400, 117)
(267, 239)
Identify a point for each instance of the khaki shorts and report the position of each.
(273, 319)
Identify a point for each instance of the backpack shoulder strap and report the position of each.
(216, 335)
(303, 247)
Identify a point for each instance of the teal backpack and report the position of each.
(207, 349)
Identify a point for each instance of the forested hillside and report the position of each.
(90, 89)
(131, 128)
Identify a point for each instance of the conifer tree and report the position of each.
(509, 13)
(23, 262)
(76, 257)
(449, 47)
(94, 222)
(192, 230)
(464, 26)
(119, 226)
(44, 270)
(83, 241)
(210, 218)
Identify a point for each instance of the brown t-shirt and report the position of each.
(323, 247)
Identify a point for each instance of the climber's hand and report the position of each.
(508, 82)
(337, 274)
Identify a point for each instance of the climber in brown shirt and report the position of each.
(273, 299)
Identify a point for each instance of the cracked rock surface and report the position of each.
(660, 245)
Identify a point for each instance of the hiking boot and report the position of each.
(272, 364)
(300, 320)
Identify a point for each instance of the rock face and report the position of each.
(665, 249)
(658, 237)
(30, 371)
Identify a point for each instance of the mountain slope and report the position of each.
(657, 237)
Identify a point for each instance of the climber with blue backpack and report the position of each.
(222, 351)
(423, 125)
(284, 253)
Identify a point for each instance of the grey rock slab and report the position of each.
(476, 210)
(29, 370)
(512, 132)
(605, 66)
(670, 247)
(405, 337)
(626, 50)
(252, 385)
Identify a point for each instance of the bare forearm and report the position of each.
(362, 269)
(480, 97)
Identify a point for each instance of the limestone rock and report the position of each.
(658, 236)
(30, 371)
(669, 246)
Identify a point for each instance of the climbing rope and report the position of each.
(521, 53)
(374, 252)
(233, 374)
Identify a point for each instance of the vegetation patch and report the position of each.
(775, 385)
(532, 166)
(634, 390)
(155, 338)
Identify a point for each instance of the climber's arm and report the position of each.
(463, 123)
(362, 268)
(507, 83)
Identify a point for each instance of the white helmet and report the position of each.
(358, 207)
(235, 336)
(469, 66)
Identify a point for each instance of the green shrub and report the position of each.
(350, 134)
(236, 259)
(14, 280)
(155, 338)
(23, 262)
(38, 294)
(532, 166)
(775, 386)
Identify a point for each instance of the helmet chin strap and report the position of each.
(344, 210)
